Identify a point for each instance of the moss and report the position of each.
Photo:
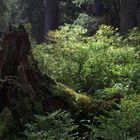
(79, 102)
(75, 100)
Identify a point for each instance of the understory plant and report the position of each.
(120, 124)
(55, 126)
(99, 61)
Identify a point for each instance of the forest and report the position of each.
(69, 69)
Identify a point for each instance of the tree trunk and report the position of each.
(51, 15)
(33, 11)
(129, 14)
(123, 14)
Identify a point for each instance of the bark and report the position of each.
(33, 12)
(51, 15)
(122, 14)
(129, 14)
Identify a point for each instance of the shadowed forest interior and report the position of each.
(69, 69)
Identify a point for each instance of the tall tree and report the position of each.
(124, 14)
(33, 12)
(2, 12)
(129, 14)
(51, 15)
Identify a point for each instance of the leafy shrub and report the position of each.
(66, 56)
(123, 124)
(81, 62)
(109, 67)
(55, 126)
(104, 65)
(133, 38)
(84, 20)
(110, 93)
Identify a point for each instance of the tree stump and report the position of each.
(25, 90)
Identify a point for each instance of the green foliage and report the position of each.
(66, 56)
(123, 124)
(109, 66)
(80, 2)
(10, 12)
(133, 39)
(104, 65)
(55, 126)
(110, 93)
(100, 61)
(84, 20)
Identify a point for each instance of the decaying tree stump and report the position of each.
(24, 89)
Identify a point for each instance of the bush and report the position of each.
(55, 126)
(123, 124)
(63, 60)
(81, 62)
(104, 65)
